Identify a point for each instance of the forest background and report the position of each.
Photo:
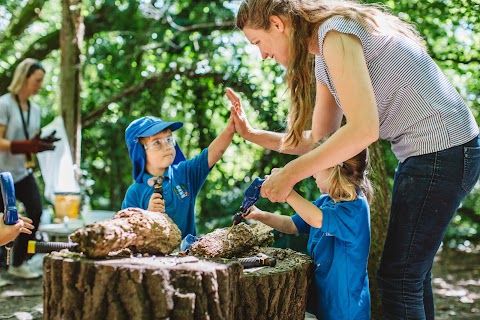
(109, 62)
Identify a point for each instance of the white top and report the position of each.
(420, 111)
(11, 119)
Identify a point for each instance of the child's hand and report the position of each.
(242, 126)
(156, 203)
(9, 233)
(27, 225)
(231, 123)
(253, 213)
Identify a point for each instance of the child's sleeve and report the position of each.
(344, 220)
(131, 199)
(198, 170)
(301, 225)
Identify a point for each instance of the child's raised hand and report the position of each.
(156, 203)
(231, 122)
(242, 126)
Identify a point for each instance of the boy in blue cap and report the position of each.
(154, 153)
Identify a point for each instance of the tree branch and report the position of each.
(93, 116)
(89, 119)
(38, 50)
(200, 26)
(27, 16)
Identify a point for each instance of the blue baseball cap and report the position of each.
(146, 127)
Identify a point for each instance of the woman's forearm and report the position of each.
(273, 141)
(4, 144)
(344, 144)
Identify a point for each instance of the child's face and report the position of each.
(160, 151)
(321, 178)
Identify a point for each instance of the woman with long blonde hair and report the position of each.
(371, 68)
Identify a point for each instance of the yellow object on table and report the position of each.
(67, 204)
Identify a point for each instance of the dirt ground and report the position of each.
(456, 282)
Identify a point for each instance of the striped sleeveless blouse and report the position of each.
(420, 111)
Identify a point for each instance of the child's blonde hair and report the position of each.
(350, 176)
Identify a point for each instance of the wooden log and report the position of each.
(133, 230)
(242, 238)
(174, 287)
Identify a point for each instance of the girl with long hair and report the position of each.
(338, 225)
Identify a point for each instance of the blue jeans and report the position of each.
(427, 191)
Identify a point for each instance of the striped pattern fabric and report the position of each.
(420, 110)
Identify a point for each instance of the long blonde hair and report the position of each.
(350, 176)
(305, 17)
(23, 71)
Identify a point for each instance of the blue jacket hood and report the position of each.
(146, 127)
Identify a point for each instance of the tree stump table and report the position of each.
(174, 287)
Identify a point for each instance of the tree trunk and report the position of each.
(71, 38)
(174, 288)
(379, 214)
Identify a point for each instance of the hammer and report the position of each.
(250, 197)
(156, 183)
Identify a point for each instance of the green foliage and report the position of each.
(174, 59)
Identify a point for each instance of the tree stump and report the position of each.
(174, 287)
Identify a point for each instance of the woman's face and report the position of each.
(34, 83)
(272, 43)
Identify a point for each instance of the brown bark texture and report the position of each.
(174, 287)
(242, 238)
(379, 215)
(131, 230)
(71, 40)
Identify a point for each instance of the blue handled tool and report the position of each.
(250, 197)
(10, 213)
